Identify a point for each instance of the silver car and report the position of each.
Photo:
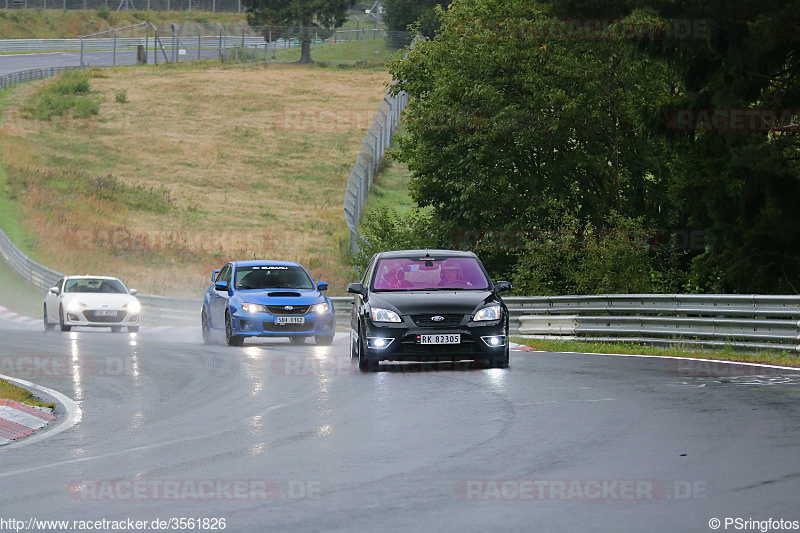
(91, 301)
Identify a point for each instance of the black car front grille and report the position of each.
(118, 316)
(281, 309)
(427, 321)
(293, 328)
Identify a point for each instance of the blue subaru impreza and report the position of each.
(262, 298)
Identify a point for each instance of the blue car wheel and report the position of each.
(230, 338)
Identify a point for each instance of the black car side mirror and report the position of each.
(356, 288)
(502, 286)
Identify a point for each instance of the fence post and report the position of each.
(220, 40)
(146, 41)
(199, 40)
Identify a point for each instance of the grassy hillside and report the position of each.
(58, 24)
(187, 166)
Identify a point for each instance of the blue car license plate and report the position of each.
(290, 320)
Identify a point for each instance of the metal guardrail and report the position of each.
(109, 43)
(130, 43)
(25, 76)
(37, 275)
(746, 322)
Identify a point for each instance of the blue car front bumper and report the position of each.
(267, 325)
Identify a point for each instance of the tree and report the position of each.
(522, 110)
(400, 14)
(510, 120)
(304, 16)
(383, 229)
(740, 181)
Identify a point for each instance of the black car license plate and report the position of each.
(440, 339)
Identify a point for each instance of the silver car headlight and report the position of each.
(384, 315)
(134, 307)
(492, 312)
(254, 308)
(319, 308)
(73, 305)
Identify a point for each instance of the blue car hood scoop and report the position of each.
(282, 294)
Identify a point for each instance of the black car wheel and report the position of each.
(61, 320)
(47, 325)
(324, 340)
(204, 327)
(297, 339)
(133, 329)
(230, 338)
(501, 361)
(116, 329)
(365, 363)
(353, 347)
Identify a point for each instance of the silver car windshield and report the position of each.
(95, 285)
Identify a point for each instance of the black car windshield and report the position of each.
(272, 277)
(452, 273)
(107, 286)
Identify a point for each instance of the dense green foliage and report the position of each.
(535, 121)
(384, 229)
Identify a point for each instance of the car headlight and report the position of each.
(254, 308)
(134, 307)
(384, 315)
(319, 308)
(73, 306)
(488, 313)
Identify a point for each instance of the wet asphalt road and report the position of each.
(277, 437)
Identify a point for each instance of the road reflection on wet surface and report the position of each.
(273, 435)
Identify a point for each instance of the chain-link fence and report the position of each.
(378, 138)
(153, 44)
(118, 5)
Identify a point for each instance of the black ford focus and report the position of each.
(428, 305)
